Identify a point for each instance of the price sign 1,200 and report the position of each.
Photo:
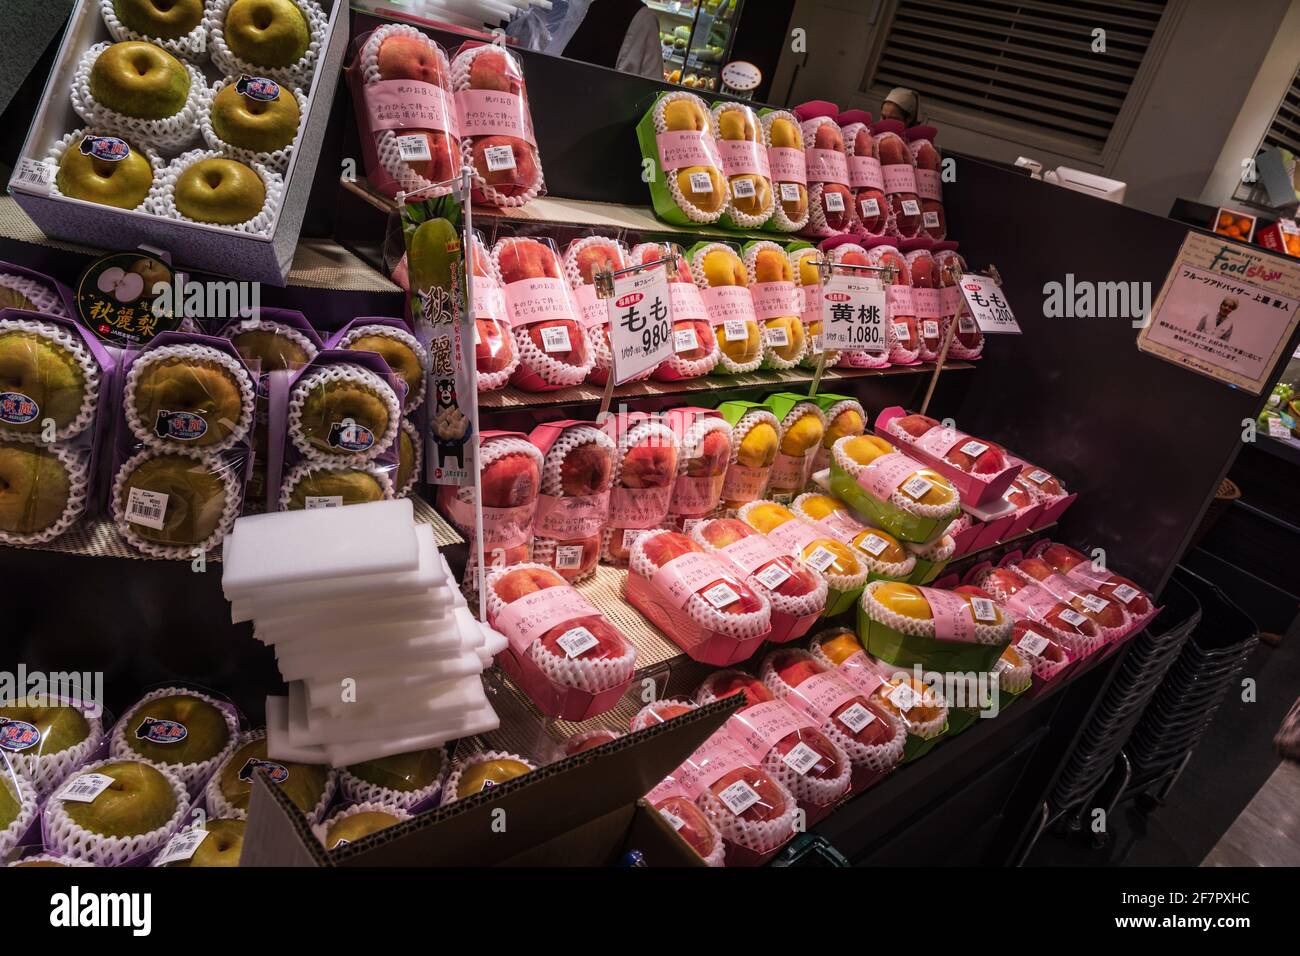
(853, 313)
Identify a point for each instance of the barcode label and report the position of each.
(323, 501)
(1125, 593)
(916, 487)
(930, 329)
(855, 717)
(34, 172)
(1038, 476)
(834, 202)
(673, 819)
(739, 797)
(85, 788)
(181, 846)
(568, 557)
(576, 641)
(902, 332)
(974, 448)
(735, 330)
(743, 188)
(930, 220)
(778, 337)
(629, 537)
(790, 192)
(904, 697)
(690, 524)
(555, 338)
(684, 340)
(1072, 617)
(414, 148)
(1033, 644)
(146, 508)
(984, 610)
(499, 158)
(772, 576)
(720, 595)
(816, 344)
(870, 208)
(1094, 603)
(801, 758)
(821, 558)
(873, 544)
(911, 207)
(701, 183)
(966, 324)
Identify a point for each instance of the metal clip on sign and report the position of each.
(605, 290)
(825, 268)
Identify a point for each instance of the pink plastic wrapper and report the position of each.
(583, 261)
(577, 474)
(865, 177)
(552, 344)
(644, 477)
(929, 183)
(900, 309)
(844, 250)
(898, 170)
(927, 301)
(968, 342)
(511, 468)
(830, 198)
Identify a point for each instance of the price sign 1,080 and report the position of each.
(853, 313)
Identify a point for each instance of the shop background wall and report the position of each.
(1198, 74)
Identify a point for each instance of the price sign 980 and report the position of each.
(640, 323)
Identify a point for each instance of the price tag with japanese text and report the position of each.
(986, 303)
(640, 323)
(853, 313)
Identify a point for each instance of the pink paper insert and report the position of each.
(841, 526)
(502, 527)
(638, 507)
(489, 303)
(718, 755)
(820, 695)
(409, 104)
(788, 165)
(696, 495)
(666, 789)
(787, 472)
(864, 173)
(751, 552)
(938, 441)
(525, 620)
(744, 157)
(567, 518)
(594, 310)
(826, 166)
(725, 303)
(928, 185)
(689, 573)
(950, 300)
(883, 476)
(762, 726)
(927, 303)
(744, 483)
(858, 671)
(899, 178)
(1032, 602)
(536, 300)
(687, 147)
(898, 299)
(793, 536)
(774, 299)
(687, 304)
(953, 620)
(812, 303)
(494, 113)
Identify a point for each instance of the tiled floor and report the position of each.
(1267, 833)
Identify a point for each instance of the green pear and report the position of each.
(140, 79)
(196, 499)
(34, 488)
(401, 772)
(488, 773)
(353, 828)
(13, 299)
(433, 247)
(61, 727)
(303, 784)
(139, 801)
(123, 183)
(206, 732)
(399, 356)
(10, 804)
(221, 847)
(270, 33)
(46, 372)
(164, 19)
(274, 351)
(260, 125)
(221, 191)
(354, 485)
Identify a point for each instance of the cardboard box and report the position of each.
(203, 247)
(585, 810)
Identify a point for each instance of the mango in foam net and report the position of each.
(688, 114)
(865, 449)
(758, 447)
(893, 552)
(841, 647)
(802, 436)
(767, 516)
(844, 425)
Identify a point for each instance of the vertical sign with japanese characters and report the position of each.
(987, 305)
(640, 323)
(853, 313)
(1226, 311)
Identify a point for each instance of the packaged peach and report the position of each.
(785, 156)
(583, 261)
(968, 341)
(495, 356)
(830, 200)
(929, 179)
(661, 711)
(567, 657)
(865, 178)
(1076, 566)
(577, 474)
(1110, 615)
(681, 813)
(898, 173)
(843, 251)
(695, 347)
(739, 139)
(409, 126)
(808, 281)
(1021, 596)
(778, 304)
(687, 184)
(724, 286)
(705, 440)
(755, 441)
(900, 310)
(699, 600)
(980, 469)
(831, 558)
(645, 474)
(496, 127)
(927, 302)
(554, 351)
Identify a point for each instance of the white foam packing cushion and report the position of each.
(364, 686)
(278, 746)
(287, 547)
(481, 721)
(365, 659)
(343, 638)
(436, 599)
(467, 694)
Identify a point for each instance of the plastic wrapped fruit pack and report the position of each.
(1108, 614)
(697, 599)
(865, 179)
(784, 139)
(904, 335)
(395, 344)
(927, 303)
(940, 630)
(830, 200)
(973, 456)
(695, 348)
(803, 426)
(968, 341)
(778, 304)
(324, 396)
(577, 474)
(829, 557)
(405, 74)
(891, 490)
(409, 781)
(660, 711)
(1025, 599)
(845, 418)
(188, 732)
(496, 127)
(898, 170)
(170, 504)
(558, 638)
(884, 555)
(689, 185)
(754, 813)
(744, 162)
(755, 439)
(724, 286)
(1077, 567)
(852, 254)
(588, 740)
(510, 469)
(1015, 672)
(495, 356)
(681, 813)
(1037, 644)
(583, 261)
(859, 726)
(552, 345)
(189, 395)
(1041, 485)
(929, 187)
(933, 556)
(701, 469)
(803, 265)
(916, 706)
(644, 477)
(797, 594)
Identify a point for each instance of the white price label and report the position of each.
(499, 158)
(35, 173)
(777, 337)
(181, 846)
(323, 501)
(739, 797)
(911, 207)
(86, 787)
(1073, 617)
(735, 330)
(414, 148)
(790, 192)
(555, 338)
(821, 558)
(984, 610)
(690, 524)
(720, 595)
(974, 448)
(630, 536)
(701, 183)
(916, 487)
(1125, 593)
(801, 758)
(988, 307)
(147, 508)
(930, 328)
(1094, 603)
(870, 208)
(834, 201)
(853, 313)
(772, 576)
(1277, 429)
(568, 557)
(873, 544)
(815, 344)
(1038, 476)
(930, 219)
(855, 717)
(1032, 644)
(576, 641)
(904, 697)
(640, 323)
(743, 188)
(901, 332)
(673, 819)
(685, 340)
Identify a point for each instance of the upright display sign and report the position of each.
(640, 323)
(853, 313)
(1226, 311)
(988, 306)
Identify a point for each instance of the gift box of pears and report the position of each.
(193, 126)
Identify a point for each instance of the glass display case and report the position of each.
(697, 39)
